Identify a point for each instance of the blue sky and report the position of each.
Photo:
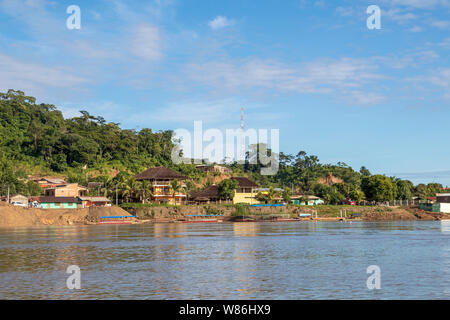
(312, 69)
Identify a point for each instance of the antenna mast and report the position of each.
(242, 153)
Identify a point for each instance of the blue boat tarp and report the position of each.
(204, 215)
(304, 215)
(267, 205)
(116, 217)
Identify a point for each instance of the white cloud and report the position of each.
(146, 43)
(420, 4)
(416, 29)
(399, 15)
(212, 111)
(322, 76)
(364, 98)
(441, 24)
(16, 74)
(220, 22)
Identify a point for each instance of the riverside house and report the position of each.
(67, 190)
(208, 195)
(160, 178)
(87, 202)
(246, 191)
(48, 182)
(306, 200)
(58, 202)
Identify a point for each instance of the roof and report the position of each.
(299, 196)
(58, 199)
(49, 179)
(18, 196)
(268, 189)
(245, 182)
(94, 184)
(66, 186)
(95, 199)
(159, 173)
(209, 192)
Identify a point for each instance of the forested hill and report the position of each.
(35, 139)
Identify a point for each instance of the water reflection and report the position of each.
(306, 260)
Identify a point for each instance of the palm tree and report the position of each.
(146, 190)
(130, 188)
(175, 187)
(271, 195)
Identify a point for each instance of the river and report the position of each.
(290, 260)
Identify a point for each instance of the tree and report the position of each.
(146, 190)
(364, 172)
(267, 197)
(405, 190)
(357, 195)
(175, 187)
(287, 195)
(130, 188)
(226, 189)
(378, 188)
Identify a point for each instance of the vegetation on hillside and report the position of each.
(35, 139)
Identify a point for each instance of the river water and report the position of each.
(290, 260)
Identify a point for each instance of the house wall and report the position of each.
(52, 205)
(445, 207)
(245, 197)
(21, 199)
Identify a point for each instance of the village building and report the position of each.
(160, 178)
(214, 168)
(67, 190)
(87, 202)
(18, 198)
(304, 200)
(48, 182)
(47, 202)
(246, 191)
(443, 199)
(208, 195)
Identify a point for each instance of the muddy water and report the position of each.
(306, 260)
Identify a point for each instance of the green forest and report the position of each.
(37, 140)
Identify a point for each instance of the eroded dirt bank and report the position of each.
(11, 216)
(167, 214)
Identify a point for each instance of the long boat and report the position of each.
(203, 218)
(116, 220)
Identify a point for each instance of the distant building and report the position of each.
(306, 200)
(18, 198)
(208, 195)
(47, 202)
(444, 201)
(213, 168)
(161, 177)
(48, 182)
(246, 191)
(67, 190)
(87, 202)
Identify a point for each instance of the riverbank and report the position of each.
(11, 216)
(324, 212)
